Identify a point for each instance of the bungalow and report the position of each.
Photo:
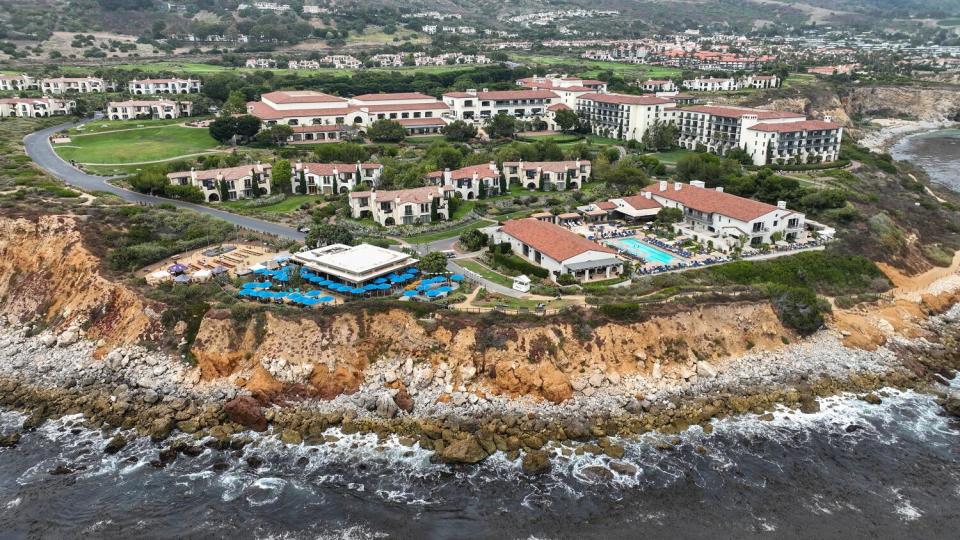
(727, 219)
(329, 178)
(558, 250)
(548, 175)
(473, 182)
(163, 86)
(35, 107)
(143, 109)
(404, 206)
(242, 182)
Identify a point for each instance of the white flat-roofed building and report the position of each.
(622, 116)
(80, 85)
(144, 109)
(480, 105)
(656, 85)
(548, 175)
(355, 265)
(242, 182)
(761, 81)
(331, 178)
(35, 107)
(711, 85)
(163, 86)
(402, 206)
(558, 250)
(17, 83)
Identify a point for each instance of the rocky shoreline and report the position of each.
(150, 394)
(893, 131)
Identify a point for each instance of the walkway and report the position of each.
(37, 146)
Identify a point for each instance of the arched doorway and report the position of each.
(389, 221)
(470, 196)
(344, 189)
(213, 198)
(531, 186)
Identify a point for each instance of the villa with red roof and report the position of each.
(725, 219)
(134, 109)
(472, 182)
(559, 250)
(242, 182)
(548, 175)
(35, 107)
(331, 178)
(767, 136)
(163, 86)
(622, 116)
(403, 206)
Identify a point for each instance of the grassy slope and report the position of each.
(137, 145)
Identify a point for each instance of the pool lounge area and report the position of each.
(642, 250)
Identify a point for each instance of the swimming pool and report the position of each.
(643, 250)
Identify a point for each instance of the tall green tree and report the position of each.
(386, 131)
(566, 119)
(459, 131)
(282, 173)
(236, 103)
(501, 126)
(223, 129)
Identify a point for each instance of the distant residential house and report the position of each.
(146, 109)
(654, 85)
(470, 182)
(242, 182)
(163, 86)
(402, 207)
(17, 83)
(711, 85)
(558, 250)
(548, 175)
(35, 107)
(261, 63)
(331, 178)
(761, 81)
(79, 85)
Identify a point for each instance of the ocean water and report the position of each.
(936, 152)
(852, 470)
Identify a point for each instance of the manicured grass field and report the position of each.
(449, 233)
(291, 203)
(137, 145)
(101, 126)
(486, 273)
(592, 68)
(670, 158)
(194, 68)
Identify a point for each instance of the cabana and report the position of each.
(160, 276)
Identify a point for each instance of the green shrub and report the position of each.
(517, 264)
(620, 310)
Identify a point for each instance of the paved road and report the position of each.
(37, 145)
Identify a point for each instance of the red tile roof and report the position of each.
(228, 173)
(437, 105)
(712, 201)
(301, 96)
(483, 171)
(624, 99)
(558, 107)
(639, 202)
(421, 122)
(419, 195)
(326, 169)
(790, 127)
(605, 205)
(552, 166)
(737, 112)
(398, 96)
(552, 240)
(263, 111)
(505, 94)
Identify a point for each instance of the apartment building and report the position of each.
(658, 85)
(17, 83)
(547, 175)
(79, 85)
(554, 82)
(402, 207)
(387, 60)
(558, 250)
(313, 134)
(163, 86)
(242, 182)
(768, 136)
(260, 63)
(35, 107)
(473, 182)
(330, 178)
(622, 116)
(310, 108)
(711, 85)
(479, 105)
(341, 61)
(728, 220)
(145, 109)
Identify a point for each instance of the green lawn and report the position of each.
(593, 68)
(101, 126)
(463, 208)
(291, 203)
(137, 145)
(486, 273)
(449, 233)
(670, 158)
(195, 68)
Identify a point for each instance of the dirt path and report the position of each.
(932, 281)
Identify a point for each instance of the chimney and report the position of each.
(719, 189)
(827, 118)
(698, 183)
(663, 185)
(647, 195)
(677, 186)
(782, 205)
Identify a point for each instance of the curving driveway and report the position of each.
(37, 146)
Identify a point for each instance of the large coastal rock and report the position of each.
(246, 411)
(467, 450)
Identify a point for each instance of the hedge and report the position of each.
(516, 263)
(621, 310)
(804, 166)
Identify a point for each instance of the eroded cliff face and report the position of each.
(48, 276)
(926, 104)
(536, 358)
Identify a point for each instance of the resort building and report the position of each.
(316, 133)
(481, 105)
(163, 86)
(727, 220)
(622, 116)
(330, 178)
(473, 182)
(711, 85)
(555, 82)
(419, 113)
(547, 175)
(80, 85)
(654, 86)
(35, 107)
(355, 265)
(768, 136)
(17, 83)
(144, 109)
(558, 250)
(242, 182)
(640, 207)
(404, 206)
(761, 81)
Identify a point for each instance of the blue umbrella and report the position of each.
(434, 294)
(443, 289)
(324, 282)
(380, 281)
(177, 269)
(457, 277)
(358, 290)
(410, 294)
(313, 294)
(383, 287)
(412, 270)
(325, 299)
(370, 287)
